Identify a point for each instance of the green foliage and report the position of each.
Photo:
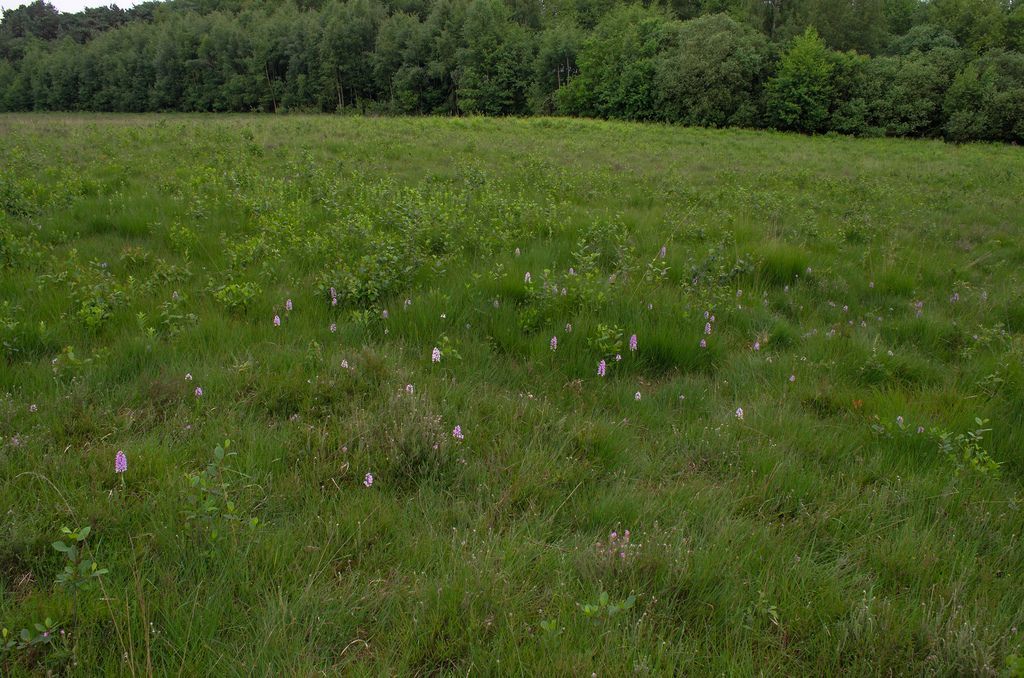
(689, 62)
(905, 95)
(799, 96)
(604, 609)
(606, 341)
(986, 99)
(618, 66)
(79, 572)
(878, 280)
(966, 450)
(555, 64)
(41, 633)
(711, 73)
(346, 48)
(976, 24)
(496, 62)
(209, 500)
(236, 296)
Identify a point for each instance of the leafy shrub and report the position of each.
(711, 73)
(387, 269)
(966, 450)
(603, 245)
(236, 296)
(799, 96)
(209, 502)
(618, 66)
(17, 249)
(607, 340)
(604, 608)
(495, 63)
(986, 99)
(923, 38)
(79, 572)
(905, 94)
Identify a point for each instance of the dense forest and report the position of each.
(937, 68)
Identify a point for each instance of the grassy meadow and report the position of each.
(815, 442)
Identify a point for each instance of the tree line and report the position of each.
(935, 68)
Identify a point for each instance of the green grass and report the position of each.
(813, 536)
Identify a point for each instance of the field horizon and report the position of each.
(533, 396)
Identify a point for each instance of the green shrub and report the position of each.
(495, 62)
(986, 100)
(907, 92)
(236, 296)
(711, 73)
(799, 96)
(618, 66)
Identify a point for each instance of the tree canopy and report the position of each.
(949, 68)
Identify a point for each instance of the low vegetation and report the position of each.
(424, 396)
